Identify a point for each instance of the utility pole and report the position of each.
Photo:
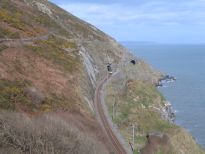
(113, 108)
(108, 58)
(133, 136)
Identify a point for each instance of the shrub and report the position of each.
(35, 95)
(52, 49)
(47, 134)
(13, 19)
(4, 32)
(3, 47)
(15, 93)
(11, 93)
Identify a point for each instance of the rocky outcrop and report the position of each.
(168, 113)
(165, 79)
(156, 141)
(36, 97)
(90, 67)
(43, 8)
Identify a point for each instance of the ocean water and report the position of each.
(187, 94)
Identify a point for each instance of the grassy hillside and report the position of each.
(45, 134)
(50, 63)
(133, 101)
(46, 74)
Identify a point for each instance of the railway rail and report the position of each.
(117, 145)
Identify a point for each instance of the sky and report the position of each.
(160, 21)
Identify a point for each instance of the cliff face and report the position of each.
(66, 52)
(71, 52)
(50, 63)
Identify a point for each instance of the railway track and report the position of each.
(118, 147)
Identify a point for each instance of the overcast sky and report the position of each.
(162, 21)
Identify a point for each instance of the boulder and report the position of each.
(156, 141)
(37, 98)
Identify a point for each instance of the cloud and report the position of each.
(150, 12)
(145, 19)
(96, 13)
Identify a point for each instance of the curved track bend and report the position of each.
(117, 145)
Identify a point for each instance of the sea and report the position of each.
(187, 94)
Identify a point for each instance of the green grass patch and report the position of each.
(4, 32)
(11, 94)
(147, 94)
(3, 47)
(18, 66)
(134, 105)
(13, 19)
(45, 21)
(52, 49)
(16, 18)
(53, 103)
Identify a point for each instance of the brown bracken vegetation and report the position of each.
(46, 134)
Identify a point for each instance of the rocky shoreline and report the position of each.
(165, 79)
(167, 110)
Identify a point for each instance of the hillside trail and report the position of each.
(8, 42)
(42, 37)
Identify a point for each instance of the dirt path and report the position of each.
(8, 42)
(43, 37)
